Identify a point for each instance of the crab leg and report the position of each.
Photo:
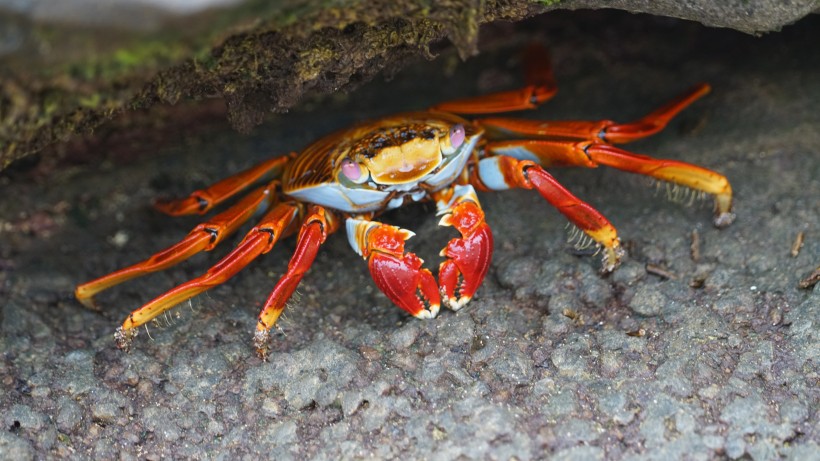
(257, 241)
(593, 147)
(398, 275)
(203, 237)
(199, 202)
(685, 174)
(591, 154)
(316, 227)
(468, 257)
(503, 172)
(602, 130)
(540, 88)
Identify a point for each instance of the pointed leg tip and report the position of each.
(724, 220)
(612, 257)
(85, 295)
(124, 338)
(87, 301)
(164, 205)
(261, 341)
(194, 204)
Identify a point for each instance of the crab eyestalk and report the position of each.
(454, 139)
(354, 172)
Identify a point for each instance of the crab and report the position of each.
(348, 178)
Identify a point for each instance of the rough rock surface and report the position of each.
(721, 360)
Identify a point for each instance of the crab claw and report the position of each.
(399, 275)
(406, 283)
(468, 257)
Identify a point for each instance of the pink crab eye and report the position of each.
(352, 171)
(457, 136)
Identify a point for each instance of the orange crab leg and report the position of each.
(201, 201)
(316, 227)
(655, 121)
(468, 257)
(257, 241)
(591, 154)
(203, 237)
(398, 275)
(540, 88)
(606, 130)
(503, 172)
(685, 174)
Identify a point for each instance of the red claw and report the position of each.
(403, 281)
(468, 257)
(400, 276)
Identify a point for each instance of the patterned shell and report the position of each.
(318, 162)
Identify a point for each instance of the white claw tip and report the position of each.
(427, 314)
(456, 304)
(446, 220)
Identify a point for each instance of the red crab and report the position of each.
(348, 178)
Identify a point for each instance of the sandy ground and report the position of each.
(545, 361)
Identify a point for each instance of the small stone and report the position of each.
(14, 447)
(404, 337)
(28, 419)
(613, 405)
(629, 273)
(570, 359)
(104, 412)
(648, 300)
(684, 422)
(69, 415)
(793, 411)
(579, 431)
(579, 453)
(513, 365)
(282, 433)
(564, 402)
(735, 447)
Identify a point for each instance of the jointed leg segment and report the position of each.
(201, 201)
(258, 241)
(685, 174)
(539, 89)
(589, 144)
(502, 172)
(599, 131)
(203, 237)
(318, 224)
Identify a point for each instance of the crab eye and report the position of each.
(457, 136)
(353, 171)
